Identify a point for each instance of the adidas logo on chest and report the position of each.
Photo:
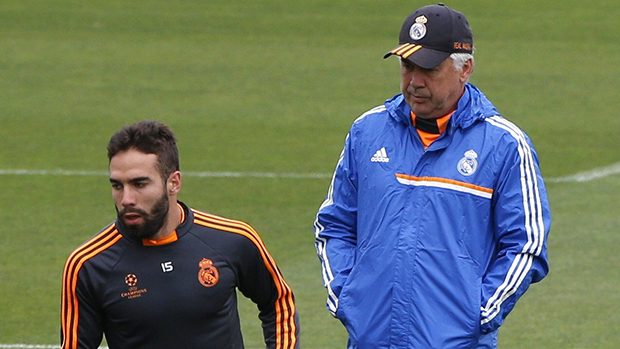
(380, 156)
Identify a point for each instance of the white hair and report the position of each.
(459, 60)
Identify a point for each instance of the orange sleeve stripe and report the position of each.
(285, 305)
(70, 307)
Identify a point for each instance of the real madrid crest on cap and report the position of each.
(468, 164)
(418, 29)
(430, 34)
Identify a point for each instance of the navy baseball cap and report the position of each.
(431, 34)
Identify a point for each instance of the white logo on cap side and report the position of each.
(417, 31)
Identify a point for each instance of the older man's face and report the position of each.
(433, 93)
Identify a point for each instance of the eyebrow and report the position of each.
(133, 180)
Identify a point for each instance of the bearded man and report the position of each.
(164, 275)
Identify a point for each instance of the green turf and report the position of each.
(273, 86)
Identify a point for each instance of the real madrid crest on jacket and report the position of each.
(431, 247)
(190, 281)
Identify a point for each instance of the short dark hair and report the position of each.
(149, 137)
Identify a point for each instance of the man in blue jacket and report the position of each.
(436, 220)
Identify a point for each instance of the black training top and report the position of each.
(179, 292)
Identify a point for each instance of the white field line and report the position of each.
(596, 173)
(187, 174)
(585, 176)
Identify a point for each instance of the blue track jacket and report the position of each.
(432, 248)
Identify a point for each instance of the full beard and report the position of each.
(153, 221)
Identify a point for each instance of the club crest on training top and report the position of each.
(468, 164)
(208, 275)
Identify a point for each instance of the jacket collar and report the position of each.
(473, 106)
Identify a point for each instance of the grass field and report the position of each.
(272, 87)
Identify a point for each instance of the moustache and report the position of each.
(132, 210)
(417, 93)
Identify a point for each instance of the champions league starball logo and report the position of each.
(131, 280)
(133, 292)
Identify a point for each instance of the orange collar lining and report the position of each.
(168, 239)
(428, 138)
